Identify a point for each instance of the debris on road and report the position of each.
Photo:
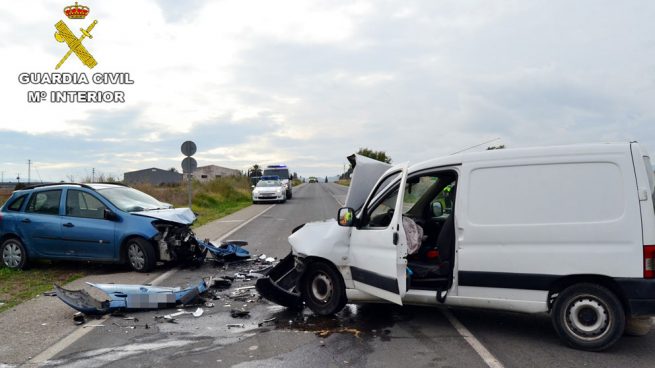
(50, 293)
(240, 313)
(228, 249)
(238, 325)
(267, 322)
(79, 318)
(128, 297)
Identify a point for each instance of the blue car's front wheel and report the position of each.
(141, 255)
(14, 254)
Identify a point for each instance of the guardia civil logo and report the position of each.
(65, 35)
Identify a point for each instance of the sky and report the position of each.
(308, 83)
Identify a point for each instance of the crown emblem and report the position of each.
(76, 11)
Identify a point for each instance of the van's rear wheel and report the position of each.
(588, 317)
(323, 289)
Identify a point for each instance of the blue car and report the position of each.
(94, 222)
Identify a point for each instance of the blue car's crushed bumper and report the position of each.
(128, 297)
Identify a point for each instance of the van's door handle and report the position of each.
(26, 220)
(395, 238)
(69, 224)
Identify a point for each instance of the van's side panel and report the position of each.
(523, 223)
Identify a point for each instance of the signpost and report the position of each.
(189, 164)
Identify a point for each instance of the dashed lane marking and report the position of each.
(487, 357)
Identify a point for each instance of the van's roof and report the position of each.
(519, 153)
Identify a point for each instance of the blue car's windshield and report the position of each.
(130, 199)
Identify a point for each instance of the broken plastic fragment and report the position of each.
(128, 297)
(239, 325)
(239, 313)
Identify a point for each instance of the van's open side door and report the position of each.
(378, 254)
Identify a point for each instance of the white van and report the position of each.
(568, 230)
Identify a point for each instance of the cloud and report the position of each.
(308, 83)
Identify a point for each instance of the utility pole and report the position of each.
(3, 177)
(93, 175)
(29, 171)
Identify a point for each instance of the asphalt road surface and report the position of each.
(372, 335)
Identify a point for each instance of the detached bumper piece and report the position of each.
(228, 250)
(280, 284)
(128, 297)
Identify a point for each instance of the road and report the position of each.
(372, 335)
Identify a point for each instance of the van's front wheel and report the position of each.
(323, 289)
(588, 317)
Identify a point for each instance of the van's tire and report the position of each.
(13, 254)
(588, 317)
(140, 255)
(638, 326)
(323, 289)
(289, 195)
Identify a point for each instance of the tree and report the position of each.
(295, 176)
(326, 179)
(255, 170)
(376, 155)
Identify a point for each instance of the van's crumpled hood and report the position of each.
(366, 173)
(180, 215)
(321, 238)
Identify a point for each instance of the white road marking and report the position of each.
(335, 198)
(226, 221)
(242, 225)
(487, 357)
(69, 340)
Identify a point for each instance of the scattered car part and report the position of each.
(238, 325)
(266, 322)
(79, 318)
(280, 285)
(240, 313)
(127, 297)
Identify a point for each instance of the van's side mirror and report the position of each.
(437, 210)
(110, 215)
(346, 216)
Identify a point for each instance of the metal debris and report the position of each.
(238, 325)
(240, 313)
(50, 293)
(267, 321)
(79, 318)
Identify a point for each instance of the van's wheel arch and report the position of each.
(323, 288)
(588, 316)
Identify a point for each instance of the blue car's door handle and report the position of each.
(26, 220)
(68, 224)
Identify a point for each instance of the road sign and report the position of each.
(189, 165)
(188, 148)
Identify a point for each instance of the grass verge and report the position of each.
(211, 200)
(17, 286)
